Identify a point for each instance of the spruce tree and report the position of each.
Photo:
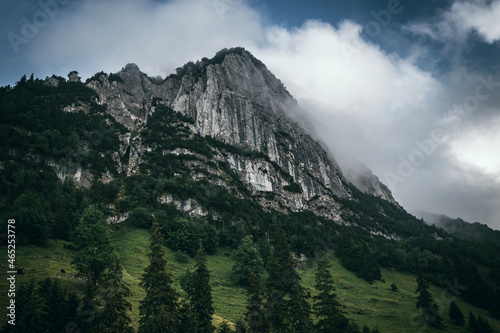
(275, 306)
(456, 314)
(472, 321)
(114, 317)
(329, 314)
(53, 298)
(89, 305)
(71, 313)
(240, 326)
(201, 295)
(289, 279)
(185, 321)
(299, 311)
(246, 260)
(158, 310)
(254, 315)
(290, 314)
(28, 310)
(93, 243)
(483, 326)
(425, 302)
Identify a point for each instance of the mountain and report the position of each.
(225, 123)
(462, 229)
(233, 98)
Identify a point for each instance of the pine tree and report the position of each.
(93, 243)
(114, 317)
(482, 326)
(286, 263)
(275, 306)
(326, 307)
(292, 315)
(201, 295)
(472, 321)
(254, 315)
(53, 305)
(299, 311)
(28, 310)
(246, 260)
(425, 302)
(71, 314)
(185, 320)
(158, 310)
(456, 314)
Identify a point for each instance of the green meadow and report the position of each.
(372, 304)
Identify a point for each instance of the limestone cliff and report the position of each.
(235, 99)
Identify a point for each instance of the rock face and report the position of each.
(127, 95)
(235, 99)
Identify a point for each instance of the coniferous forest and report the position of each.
(266, 254)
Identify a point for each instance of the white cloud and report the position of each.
(475, 146)
(158, 36)
(477, 15)
(461, 19)
(362, 96)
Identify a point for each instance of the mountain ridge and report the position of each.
(234, 98)
(472, 231)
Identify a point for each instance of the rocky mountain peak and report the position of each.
(236, 100)
(131, 67)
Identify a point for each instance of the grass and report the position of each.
(375, 305)
(372, 304)
(133, 245)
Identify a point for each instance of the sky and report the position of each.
(409, 88)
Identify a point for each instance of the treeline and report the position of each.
(35, 128)
(446, 260)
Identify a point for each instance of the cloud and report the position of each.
(158, 36)
(463, 18)
(479, 16)
(476, 144)
(362, 101)
(365, 101)
(453, 188)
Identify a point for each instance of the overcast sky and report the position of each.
(410, 88)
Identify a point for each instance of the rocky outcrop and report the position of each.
(189, 206)
(127, 95)
(235, 99)
(362, 177)
(81, 177)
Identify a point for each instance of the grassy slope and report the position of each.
(371, 304)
